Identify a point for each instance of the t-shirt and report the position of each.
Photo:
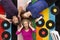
(23, 3)
(26, 35)
(9, 7)
(37, 7)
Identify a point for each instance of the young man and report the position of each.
(35, 9)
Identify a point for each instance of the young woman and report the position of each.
(26, 29)
(22, 4)
(15, 20)
(2, 13)
(9, 7)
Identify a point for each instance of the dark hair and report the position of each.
(16, 23)
(21, 14)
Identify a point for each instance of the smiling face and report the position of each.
(26, 24)
(15, 19)
(26, 15)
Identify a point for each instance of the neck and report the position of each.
(26, 28)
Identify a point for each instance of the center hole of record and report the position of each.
(55, 10)
(50, 24)
(5, 25)
(40, 22)
(6, 35)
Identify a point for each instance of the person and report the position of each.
(9, 7)
(21, 5)
(15, 20)
(35, 9)
(26, 29)
(10, 15)
(11, 11)
(4, 17)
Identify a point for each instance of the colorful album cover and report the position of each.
(29, 20)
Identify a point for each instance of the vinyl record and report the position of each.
(50, 2)
(40, 23)
(54, 10)
(5, 24)
(43, 32)
(5, 35)
(50, 24)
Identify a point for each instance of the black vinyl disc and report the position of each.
(5, 24)
(50, 2)
(54, 10)
(50, 24)
(43, 32)
(40, 23)
(5, 35)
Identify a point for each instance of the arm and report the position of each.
(36, 20)
(19, 30)
(4, 17)
(19, 11)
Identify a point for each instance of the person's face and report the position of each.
(25, 24)
(15, 19)
(26, 15)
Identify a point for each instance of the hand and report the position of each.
(36, 20)
(9, 20)
(21, 25)
(19, 16)
(30, 24)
